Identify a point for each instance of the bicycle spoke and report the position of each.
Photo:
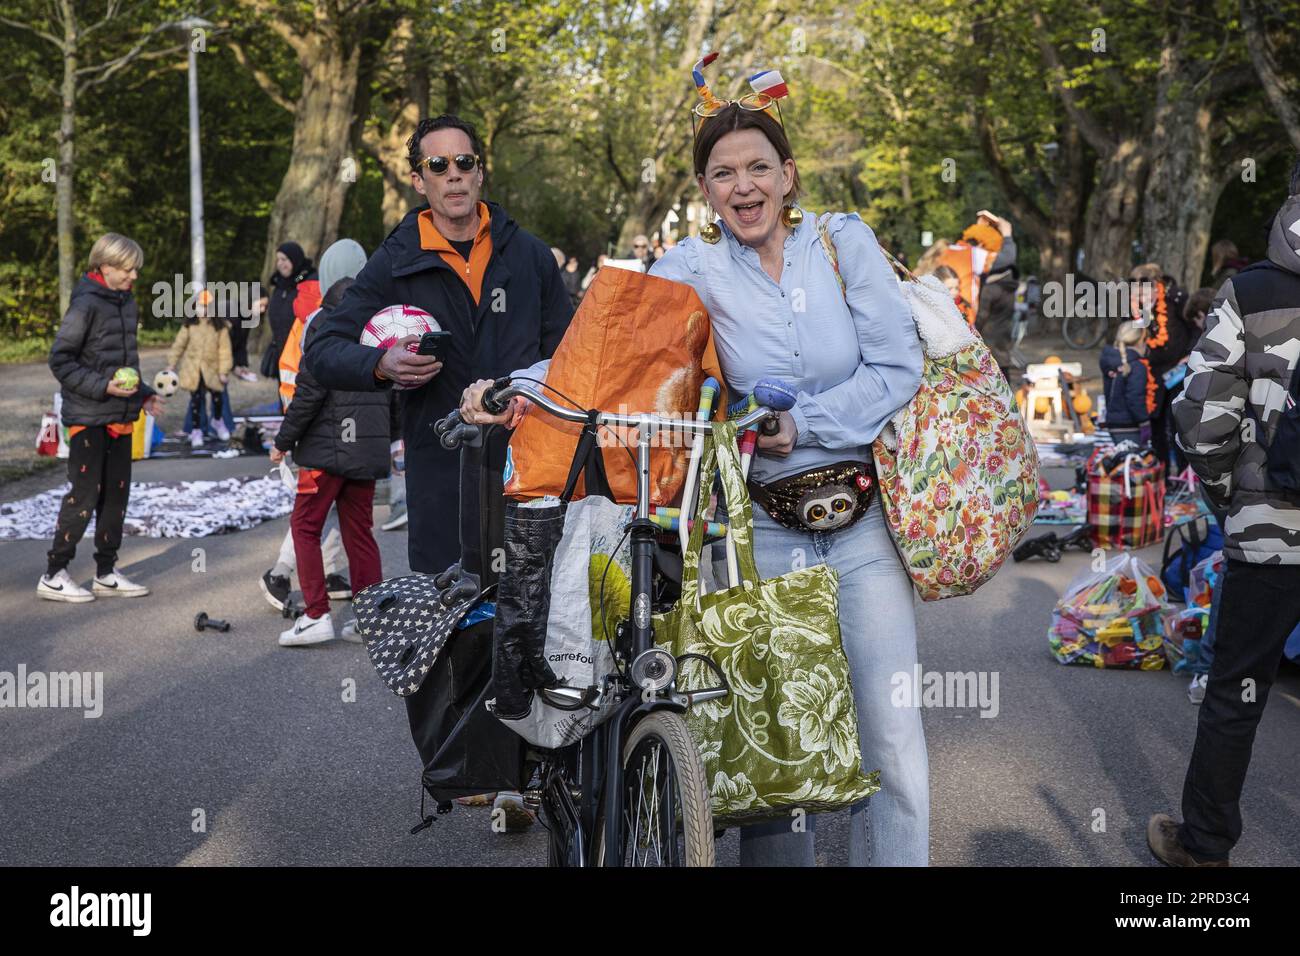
(659, 818)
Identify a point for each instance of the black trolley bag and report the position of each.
(442, 670)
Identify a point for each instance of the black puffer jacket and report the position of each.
(344, 433)
(1240, 372)
(95, 339)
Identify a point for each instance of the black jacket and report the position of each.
(1126, 395)
(279, 306)
(1182, 336)
(95, 339)
(344, 433)
(522, 314)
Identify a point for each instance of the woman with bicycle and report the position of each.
(854, 357)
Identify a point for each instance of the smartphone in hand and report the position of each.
(435, 344)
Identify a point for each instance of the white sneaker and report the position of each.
(115, 584)
(397, 518)
(223, 432)
(308, 630)
(196, 438)
(61, 587)
(1196, 689)
(246, 375)
(352, 633)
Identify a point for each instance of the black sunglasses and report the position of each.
(439, 164)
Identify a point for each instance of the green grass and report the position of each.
(13, 470)
(37, 348)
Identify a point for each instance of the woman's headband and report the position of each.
(767, 85)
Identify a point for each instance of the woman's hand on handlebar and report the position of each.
(782, 443)
(472, 411)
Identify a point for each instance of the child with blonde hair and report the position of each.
(96, 361)
(1129, 387)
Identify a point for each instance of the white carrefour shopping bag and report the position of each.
(592, 548)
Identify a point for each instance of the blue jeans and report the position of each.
(878, 630)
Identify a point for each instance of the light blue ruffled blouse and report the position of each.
(853, 364)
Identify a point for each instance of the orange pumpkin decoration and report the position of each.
(1083, 403)
(1043, 405)
(1052, 360)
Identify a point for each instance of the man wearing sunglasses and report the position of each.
(493, 286)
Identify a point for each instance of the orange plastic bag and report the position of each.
(638, 344)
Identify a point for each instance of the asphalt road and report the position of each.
(285, 771)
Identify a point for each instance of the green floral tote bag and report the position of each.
(786, 736)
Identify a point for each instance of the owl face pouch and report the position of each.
(827, 499)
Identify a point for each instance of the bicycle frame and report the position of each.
(599, 752)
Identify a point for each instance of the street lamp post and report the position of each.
(198, 257)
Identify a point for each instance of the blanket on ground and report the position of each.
(163, 509)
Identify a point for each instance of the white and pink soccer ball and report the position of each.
(388, 325)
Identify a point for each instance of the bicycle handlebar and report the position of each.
(452, 430)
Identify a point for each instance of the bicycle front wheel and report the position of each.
(1083, 333)
(667, 820)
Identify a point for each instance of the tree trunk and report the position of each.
(1111, 223)
(1056, 252)
(651, 205)
(1182, 191)
(64, 186)
(1280, 89)
(406, 105)
(309, 205)
(649, 202)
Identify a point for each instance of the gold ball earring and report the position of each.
(791, 215)
(710, 232)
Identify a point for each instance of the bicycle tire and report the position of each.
(1083, 333)
(693, 821)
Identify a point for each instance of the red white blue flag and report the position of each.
(697, 74)
(769, 82)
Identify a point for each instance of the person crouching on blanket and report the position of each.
(341, 442)
(96, 342)
(202, 351)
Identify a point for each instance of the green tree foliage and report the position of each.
(915, 114)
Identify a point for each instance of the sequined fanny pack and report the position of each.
(829, 498)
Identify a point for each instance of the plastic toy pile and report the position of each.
(1185, 509)
(1112, 618)
(1185, 628)
(1061, 506)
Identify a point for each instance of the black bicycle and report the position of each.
(633, 792)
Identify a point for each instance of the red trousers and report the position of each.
(356, 500)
